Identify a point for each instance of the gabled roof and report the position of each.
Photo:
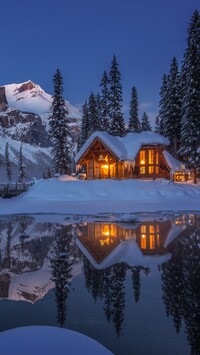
(127, 147)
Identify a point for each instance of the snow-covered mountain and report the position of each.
(24, 112)
(30, 97)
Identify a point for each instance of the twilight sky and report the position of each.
(80, 38)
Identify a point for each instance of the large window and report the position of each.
(149, 162)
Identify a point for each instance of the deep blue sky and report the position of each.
(80, 38)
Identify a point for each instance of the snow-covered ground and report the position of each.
(68, 195)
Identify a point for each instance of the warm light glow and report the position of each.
(142, 162)
(104, 166)
(107, 241)
(143, 235)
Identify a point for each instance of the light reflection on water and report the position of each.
(134, 287)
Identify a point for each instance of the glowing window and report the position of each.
(142, 157)
(143, 241)
(157, 169)
(157, 158)
(151, 169)
(142, 170)
(143, 229)
(151, 229)
(152, 241)
(151, 156)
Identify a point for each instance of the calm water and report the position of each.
(134, 287)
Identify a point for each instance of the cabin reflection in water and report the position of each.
(100, 239)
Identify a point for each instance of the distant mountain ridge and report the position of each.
(24, 112)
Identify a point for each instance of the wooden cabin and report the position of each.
(136, 155)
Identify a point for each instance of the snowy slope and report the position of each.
(36, 159)
(34, 99)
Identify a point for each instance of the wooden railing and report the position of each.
(11, 190)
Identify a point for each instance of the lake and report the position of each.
(131, 284)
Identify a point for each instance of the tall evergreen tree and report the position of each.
(8, 164)
(117, 126)
(134, 122)
(145, 123)
(157, 125)
(22, 173)
(173, 114)
(105, 107)
(59, 128)
(99, 112)
(85, 126)
(163, 104)
(190, 131)
(93, 112)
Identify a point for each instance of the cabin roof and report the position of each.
(174, 164)
(127, 147)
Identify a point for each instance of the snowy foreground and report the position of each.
(38, 340)
(68, 195)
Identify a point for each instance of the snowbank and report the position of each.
(103, 196)
(48, 341)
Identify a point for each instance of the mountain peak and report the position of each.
(28, 85)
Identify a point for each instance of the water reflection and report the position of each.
(37, 256)
(181, 283)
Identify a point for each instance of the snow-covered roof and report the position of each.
(174, 164)
(127, 147)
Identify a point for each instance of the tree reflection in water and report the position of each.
(61, 264)
(181, 283)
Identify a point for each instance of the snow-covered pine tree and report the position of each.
(157, 125)
(190, 85)
(105, 108)
(85, 125)
(117, 126)
(59, 128)
(173, 115)
(94, 120)
(22, 173)
(134, 122)
(8, 163)
(99, 112)
(163, 104)
(145, 123)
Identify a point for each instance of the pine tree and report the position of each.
(85, 126)
(22, 173)
(145, 123)
(173, 114)
(117, 126)
(157, 124)
(134, 122)
(8, 164)
(190, 85)
(105, 108)
(59, 128)
(163, 103)
(94, 120)
(99, 112)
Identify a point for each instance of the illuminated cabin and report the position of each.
(136, 155)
